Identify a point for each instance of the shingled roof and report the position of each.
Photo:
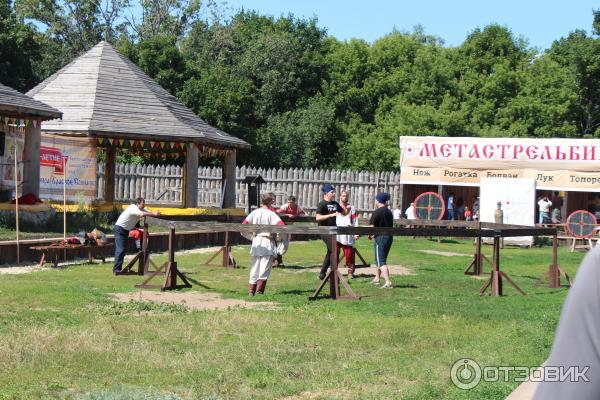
(104, 94)
(16, 104)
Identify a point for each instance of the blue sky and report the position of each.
(540, 22)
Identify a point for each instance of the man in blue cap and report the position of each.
(382, 217)
(327, 211)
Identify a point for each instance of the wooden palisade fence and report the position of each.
(165, 181)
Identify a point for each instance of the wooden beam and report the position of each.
(31, 167)
(190, 184)
(229, 179)
(109, 174)
(213, 227)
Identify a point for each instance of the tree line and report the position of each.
(303, 98)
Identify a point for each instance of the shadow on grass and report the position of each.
(444, 240)
(405, 286)
(195, 282)
(297, 267)
(297, 292)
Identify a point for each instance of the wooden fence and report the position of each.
(164, 184)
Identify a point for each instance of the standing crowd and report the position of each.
(267, 249)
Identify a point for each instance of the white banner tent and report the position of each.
(517, 197)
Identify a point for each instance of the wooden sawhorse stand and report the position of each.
(171, 272)
(496, 275)
(555, 271)
(476, 265)
(334, 277)
(228, 260)
(356, 253)
(141, 257)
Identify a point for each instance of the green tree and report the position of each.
(18, 49)
(546, 105)
(302, 138)
(159, 57)
(580, 53)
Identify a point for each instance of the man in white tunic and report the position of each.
(264, 247)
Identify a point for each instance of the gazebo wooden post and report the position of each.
(229, 179)
(31, 167)
(109, 174)
(190, 184)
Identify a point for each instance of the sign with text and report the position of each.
(75, 155)
(555, 164)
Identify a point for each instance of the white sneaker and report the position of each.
(374, 282)
(387, 286)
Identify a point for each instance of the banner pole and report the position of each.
(64, 197)
(17, 201)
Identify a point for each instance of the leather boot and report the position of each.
(260, 286)
(251, 289)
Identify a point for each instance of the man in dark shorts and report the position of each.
(382, 217)
(327, 210)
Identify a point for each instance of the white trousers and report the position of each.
(261, 268)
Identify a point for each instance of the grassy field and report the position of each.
(63, 336)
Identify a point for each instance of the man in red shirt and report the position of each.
(290, 210)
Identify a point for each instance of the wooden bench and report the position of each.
(50, 253)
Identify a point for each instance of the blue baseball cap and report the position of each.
(328, 188)
(382, 197)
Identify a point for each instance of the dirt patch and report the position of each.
(192, 300)
(394, 270)
(201, 250)
(9, 270)
(445, 253)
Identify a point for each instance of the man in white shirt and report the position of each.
(544, 204)
(397, 213)
(126, 222)
(410, 211)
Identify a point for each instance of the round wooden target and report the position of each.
(581, 224)
(430, 205)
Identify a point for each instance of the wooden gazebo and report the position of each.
(103, 95)
(22, 115)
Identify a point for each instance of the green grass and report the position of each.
(62, 335)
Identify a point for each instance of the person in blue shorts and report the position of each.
(382, 217)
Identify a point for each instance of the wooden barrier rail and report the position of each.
(476, 230)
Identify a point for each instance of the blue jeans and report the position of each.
(121, 236)
(451, 215)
